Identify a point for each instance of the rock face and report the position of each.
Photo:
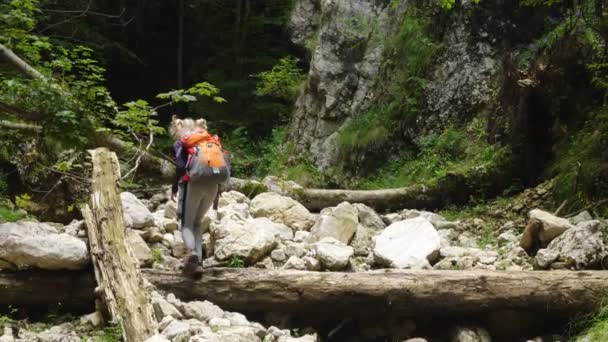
(462, 80)
(347, 53)
(136, 214)
(282, 209)
(338, 222)
(30, 244)
(410, 243)
(580, 247)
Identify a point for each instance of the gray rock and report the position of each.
(580, 247)
(157, 338)
(177, 331)
(301, 236)
(294, 263)
(236, 318)
(469, 334)
(363, 241)
(152, 235)
(332, 254)
(410, 243)
(203, 311)
(29, 244)
(295, 249)
(252, 240)
(95, 319)
(218, 323)
(454, 263)
(311, 263)
(391, 218)
(338, 222)
(581, 217)
(282, 209)
(552, 226)
(368, 217)
(163, 308)
(170, 210)
(278, 255)
(178, 247)
(545, 257)
(139, 247)
(305, 338)
(136, 214)
(232, 197)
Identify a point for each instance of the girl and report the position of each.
(195, 196)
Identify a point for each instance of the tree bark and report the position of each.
(399, 292)
(39, 289)
(116, 270)
(554, 294)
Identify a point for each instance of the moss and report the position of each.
(252, 189)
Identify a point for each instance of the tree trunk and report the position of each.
(554, 294)
(39, 289)
(116, 270)
(180, 44)
(399, 292)
(8, 55)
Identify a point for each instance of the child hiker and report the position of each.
(202, 165)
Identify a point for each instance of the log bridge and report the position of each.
(554, 294)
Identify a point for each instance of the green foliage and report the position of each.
(283, 81)
(547, 41)
(23, 201)
(157, 255)
(593, 326)
(10, 215)
(582, 163)
(411, 51)
(457, 150)
(203, 89)
(110, 333)
(236, 262)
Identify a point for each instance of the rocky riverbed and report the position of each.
(272, 231)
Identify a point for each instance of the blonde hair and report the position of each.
(181, 127)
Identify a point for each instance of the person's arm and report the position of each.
(180, 169)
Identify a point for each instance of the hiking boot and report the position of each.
(190, 264)
(198, 272)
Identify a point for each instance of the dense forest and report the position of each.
(481, 111)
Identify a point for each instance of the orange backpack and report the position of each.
(206, 157)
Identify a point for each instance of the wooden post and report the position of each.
(116, 269)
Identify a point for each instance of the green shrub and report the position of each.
(157, 255)
(456, 149)
(283, 81)
(10, 215)
(581, 164)
(236, 262)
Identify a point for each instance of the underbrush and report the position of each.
(581, 165)
(274, 155)
(592, 327)
(455, 150)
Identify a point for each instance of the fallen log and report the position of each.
(554, 294)
(119, 280)
(395, 292)
(38, 289)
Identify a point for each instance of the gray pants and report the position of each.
(199, 198)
